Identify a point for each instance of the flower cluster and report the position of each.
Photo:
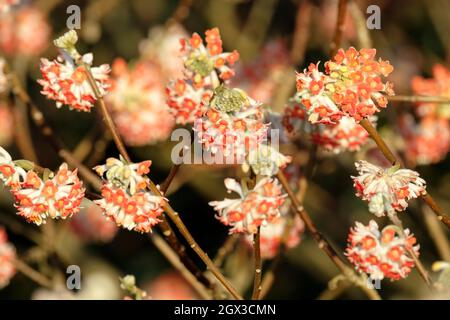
(90, 225)
(272, 235)
(381, 254)
(57, 197)
(253, 208)
(188, 97)
(68, 84)
(345, 135)
(427, 141)
(260, 77)
(136, 100)
(233, 125)
(125, 198)
(11, 175)
(24, 32)
(351, 85)
(387, 190)
(7, 257)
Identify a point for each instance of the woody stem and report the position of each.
(389, 155)
(258, 264)
(173, 215)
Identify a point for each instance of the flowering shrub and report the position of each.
(124, 196)
(381, 254)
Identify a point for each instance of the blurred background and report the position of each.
(271, 36)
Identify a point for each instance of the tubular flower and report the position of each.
(265, 160)
(233, 125)
(346, 135)
(58, 197)
(125, 199)
(24, 32)
(439, 85)
(387, 190)
(7, 258)
(187, 103)
(253, 208)
(381, 254)
(136, 100)
(90, 225)
(272, 236)
(68, 84)
(351, 86)
(426, 142)
(10, 174)
(201, 62)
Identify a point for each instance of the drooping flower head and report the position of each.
(352, 85)
(67, 84)
(24, 31)
(137, 103)
(381, 254)
(253, 208)
(233, 125)
(57, 197)
(126, 199)
(387, 190)
(7, 258)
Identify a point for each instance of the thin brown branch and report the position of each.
(173, 215)
(34, 275)
(340, 27)
(323, 244)
(258, 264)
(389, 155)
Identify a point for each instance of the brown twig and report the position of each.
(173, 215)
(340, 27)
(258, 264)
(34, 275)
(389, 155)
(323, 244)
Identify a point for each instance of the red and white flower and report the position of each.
(232, 126)
(68, 84)
(381, 254)
(58, 197)
(136, 100)
(10, 174)
(126, 199)
(24, 32)
(253, 208)
(7, 259)
(387, 190)
(351, 85)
